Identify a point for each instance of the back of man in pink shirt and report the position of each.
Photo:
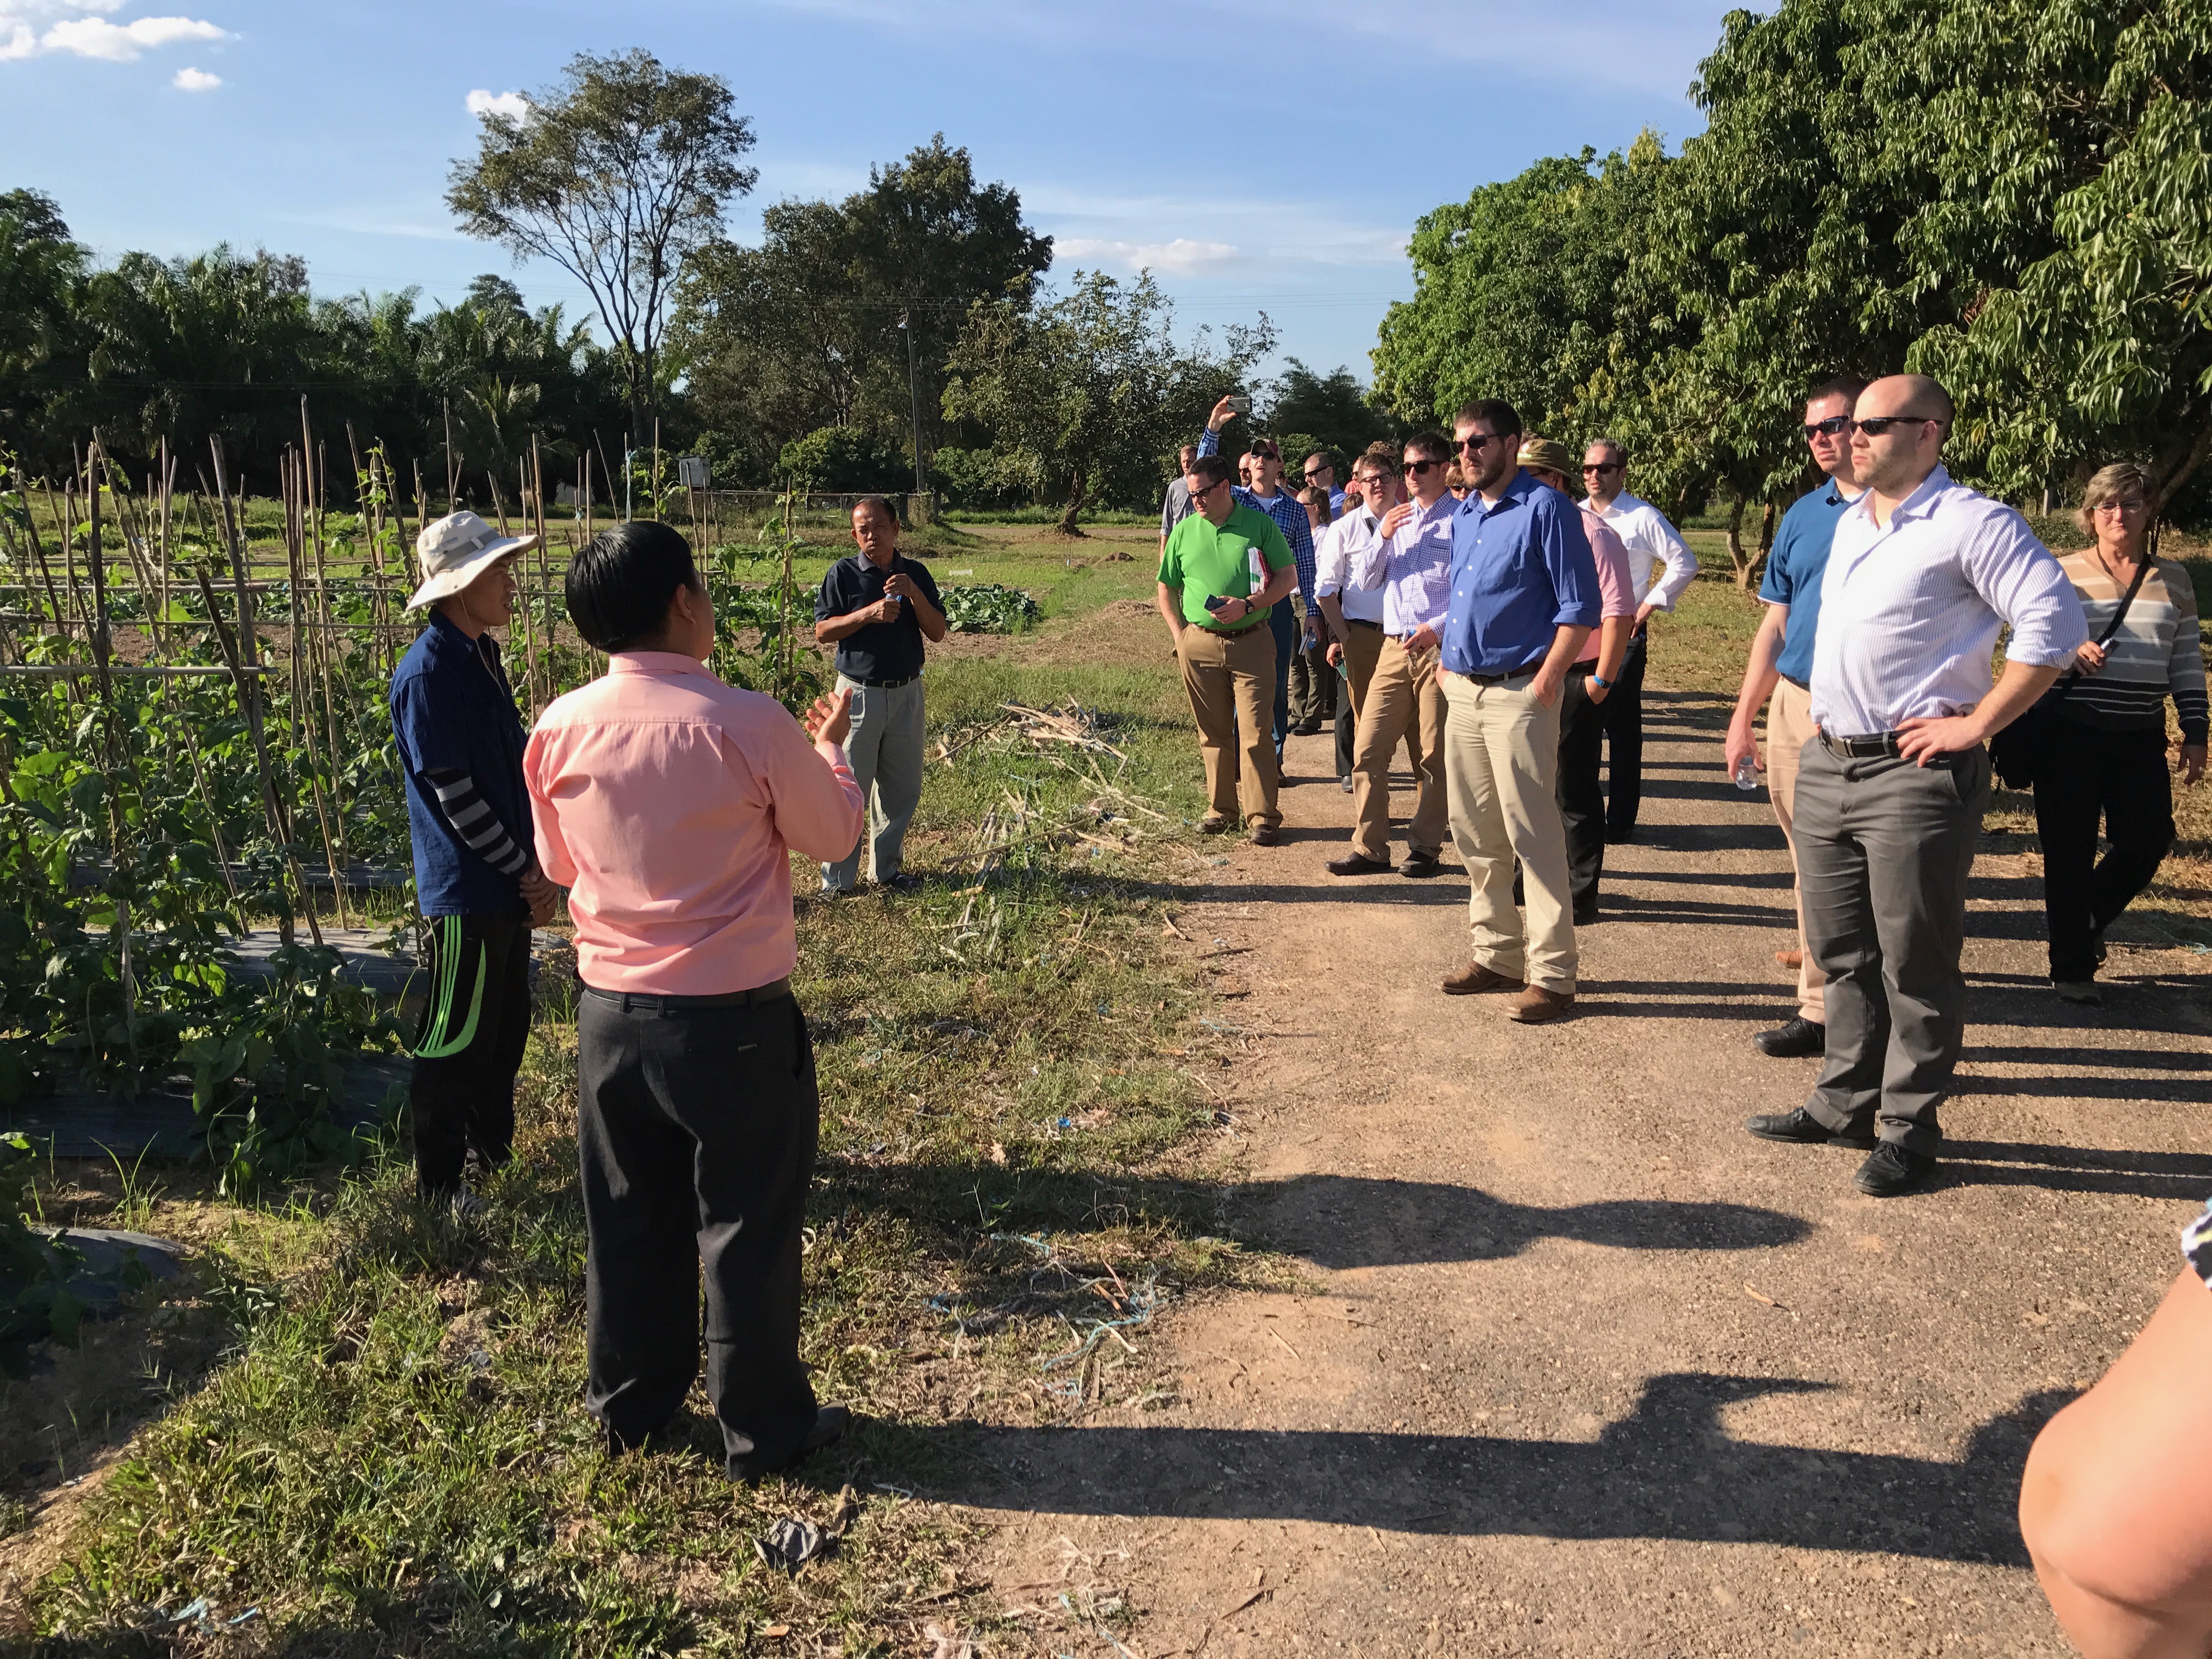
(670, 804)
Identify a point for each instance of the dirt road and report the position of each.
(1581, 1368)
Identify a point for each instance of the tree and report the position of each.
(616, 176)
(803, 331)
(1332, 411)
(42, 276)
(1090, 388)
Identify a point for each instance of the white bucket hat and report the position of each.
(455, 550)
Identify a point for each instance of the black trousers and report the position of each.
(1312, 683)
(461, 1097)
(2082, 775)
(1624, 736)
(1285, 629)
(695, 1131)
(1582, 802)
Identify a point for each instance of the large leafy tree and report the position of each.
(807, 330)
(616, 175)
(42, 276)
(1088, 389)
(1333, 410)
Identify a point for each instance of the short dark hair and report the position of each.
(881, 503)
(620, 585)
(1847, 386)
(1213, 469)
(1505, 420)
(1328, 458)
(1430, 445)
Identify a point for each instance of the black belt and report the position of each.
(1358, 622)
(1873, 746)
(1802, 685)
(885, 685)
(641, 1002)
(1510, 674)
(1230, 633)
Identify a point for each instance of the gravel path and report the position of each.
(1578, 1367)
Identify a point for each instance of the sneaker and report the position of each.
(1536, 1006)
(1473, 979)
(1794, 1039)
(2082, 993)
(1344, 784)
(469, 1206)
(903, 882)
(1891, 1169)
(1802, 1128)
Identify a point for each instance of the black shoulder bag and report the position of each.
(2013, 751)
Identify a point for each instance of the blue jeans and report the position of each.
(1284, 627)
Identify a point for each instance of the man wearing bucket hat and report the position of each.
(459, 739)
(1588, 682)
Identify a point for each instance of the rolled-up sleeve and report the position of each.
(1666, 544)
(2020, 581)
(1565, 552)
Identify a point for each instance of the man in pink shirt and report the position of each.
(1589, 682)
(669, 805)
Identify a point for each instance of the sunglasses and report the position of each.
(1875, 425)
(1200, 495)
(1258, 454)
(1418, 468)
(1475, 443)
(1835, 426)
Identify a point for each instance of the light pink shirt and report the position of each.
(669, 805)
(1616, 586)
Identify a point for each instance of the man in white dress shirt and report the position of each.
(1353, 615)
(1892, 786)
(1661, 565)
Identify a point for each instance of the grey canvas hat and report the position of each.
(454, 550)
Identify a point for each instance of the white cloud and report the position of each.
(76, 28)
(1182, 255)
(195, 80)
(507, 106)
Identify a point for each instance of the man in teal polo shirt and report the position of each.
(1781, 666)
(1223, 568)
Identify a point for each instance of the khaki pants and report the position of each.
(1402, 700)
(1230, 680)
(1502, 758)
(1789, 729)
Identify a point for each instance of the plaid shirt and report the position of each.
(1288, 513)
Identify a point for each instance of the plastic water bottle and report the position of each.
(1747, 774)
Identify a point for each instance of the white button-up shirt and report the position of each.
(1908, 614)
(1652, 542)
(1351, 537)
(1412, 568)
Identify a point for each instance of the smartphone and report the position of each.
(1215, 601)
(1240, 403)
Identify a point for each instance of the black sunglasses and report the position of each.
(1475, 443)
(1201, 494)
(1874, 425)
(1419, 467)
(1835, 426)
(1590, 467)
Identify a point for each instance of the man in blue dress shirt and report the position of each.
(1524, 596)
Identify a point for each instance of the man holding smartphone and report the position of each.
(1223, 568)
(877, 607)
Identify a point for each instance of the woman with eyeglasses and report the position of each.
(2100, 744)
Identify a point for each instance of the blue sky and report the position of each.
(1256, 156)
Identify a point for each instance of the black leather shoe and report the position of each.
(1803, 1127)
(830, 1423)
(1266, 835)
(1418, 866)
(1306, 729)
(1624, 836)
(1891, 1169)
(1359, 863)
(1794, 1039)
(1586, 917)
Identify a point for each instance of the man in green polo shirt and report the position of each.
(1221, 570)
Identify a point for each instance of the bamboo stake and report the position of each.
(112, 743)
(303, 703)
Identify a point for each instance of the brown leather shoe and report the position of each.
(1535, 1005)
(1791, 958)
(1471, 979)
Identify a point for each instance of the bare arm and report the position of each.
(930, 619)
(1760, 675)
(1613, 636)
(1170, 600)
(1339, 629)
(830, 630)
(1566, 645)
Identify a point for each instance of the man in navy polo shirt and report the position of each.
(460, 752)
(1524, 596)
(1781, 666)
(876, 606)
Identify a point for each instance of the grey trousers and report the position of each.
(885, 750)
(1883, 849)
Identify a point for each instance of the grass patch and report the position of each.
(384, 1450)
